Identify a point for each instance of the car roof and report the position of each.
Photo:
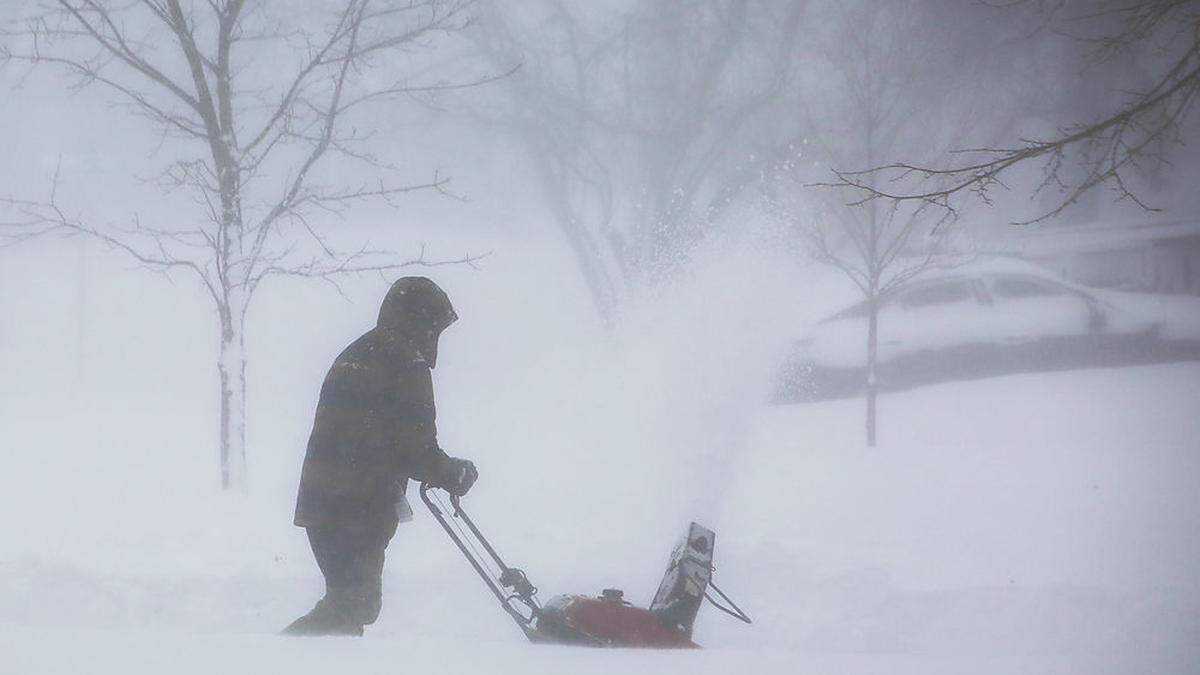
(993, 265)
(975, 267)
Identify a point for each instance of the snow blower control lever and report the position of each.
(604, 621)
(519, 601)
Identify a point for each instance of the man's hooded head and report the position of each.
(416, 311)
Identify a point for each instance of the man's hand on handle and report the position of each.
(458, 476)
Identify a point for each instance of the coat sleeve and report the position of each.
(416, 446)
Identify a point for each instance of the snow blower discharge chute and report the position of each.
(603, 621)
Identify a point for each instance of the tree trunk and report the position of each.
(81, 313)
(872, 354)
(231, 364)
(587, 251)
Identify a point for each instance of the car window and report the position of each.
(853, 312)
(1018, 287)
(940, 293)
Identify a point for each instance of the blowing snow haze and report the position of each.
(900, 299)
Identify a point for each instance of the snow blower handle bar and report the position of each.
(522, 591)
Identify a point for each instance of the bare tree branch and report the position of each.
(258, 202)
(1107, 149)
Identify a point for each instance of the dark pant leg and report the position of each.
(351, 557)
(371, 568)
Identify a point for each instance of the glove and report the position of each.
(458, 476)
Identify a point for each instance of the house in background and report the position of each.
(1154, 257)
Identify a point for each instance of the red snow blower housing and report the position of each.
(603, 621)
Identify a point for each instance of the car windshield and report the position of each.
(938, 293)
(853, 312)
(1024, 287)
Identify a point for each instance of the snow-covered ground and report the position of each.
(1026, 524)
(1042, 523)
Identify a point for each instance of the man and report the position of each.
(374, 430)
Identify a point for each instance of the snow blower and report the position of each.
(606, 620)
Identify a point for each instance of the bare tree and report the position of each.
(254, 101)
(868, 96)
(1106, 151)
(874, 249)
(634, 120)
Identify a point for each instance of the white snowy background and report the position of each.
(1037, 523)
(1031, 523)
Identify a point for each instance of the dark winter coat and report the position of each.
(375, 421)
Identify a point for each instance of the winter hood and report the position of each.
(415, 311)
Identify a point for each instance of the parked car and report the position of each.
(989, 318)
